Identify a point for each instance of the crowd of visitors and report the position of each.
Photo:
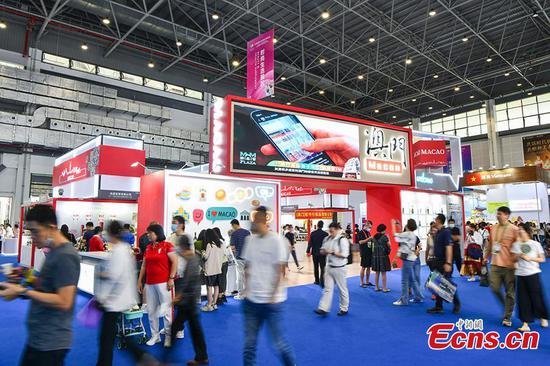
(172, 270)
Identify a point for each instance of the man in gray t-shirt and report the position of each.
(50, 316)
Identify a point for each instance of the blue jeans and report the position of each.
(416, 271)
(408, 280)
(254, 315)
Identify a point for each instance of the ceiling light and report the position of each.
(372, 39)
(321, 92)
(430, 107)
(472, 97)
(465, 39)
(394, 117)
(3, 24)
(484, 105)
(390, 90)
(530, 93)
(106, 21)
(275, 40)
(235, 63)
(84, 46)
(322, 61)
(519, 84)
(288, 103)
(352, 101)
(215, 16)
(489, 59)
(376, 110)
(360, 77)
(179, 44)
(535, 14)
(205, 80)
(283, 78)
(408, 61)
(325, 14)
(444, 114)
(151, 64)
(436, 76)
(413, 99)
(432, 13)
(506, 74)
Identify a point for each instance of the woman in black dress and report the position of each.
(365, 248)
(381, 257)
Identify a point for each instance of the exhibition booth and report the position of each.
(524, 190)
(96, 182)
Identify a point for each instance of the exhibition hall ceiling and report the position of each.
(379, 59)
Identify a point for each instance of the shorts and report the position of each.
(213, 280)
(366, 261)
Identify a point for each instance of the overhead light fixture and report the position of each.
(179, 44)
(3, 24)
(325, 14)
(215, 16)
(205, 80)
(275, 40)
(465, 39)
(235, 63)
(376, 110)
(535, 14)
(413, 100)
(106, 21)
(390, 90)
(519, 84)
(506, 74)
(444, 114)
(506, 166)
(432, 13)
(489, 59)
(84, 47)
(472, 97)
(484, 105)
(288, 103)
(352, 101)
(283, 78)
(457, 88)
(436, 76)
(360, 77)
(322, 61)
(321, 92)
(530, 93)
(372, 39)
(480, 168)
(408, 61)
(430, 108)
(151, 64)
(394, 117)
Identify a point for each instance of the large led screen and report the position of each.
(284, 143)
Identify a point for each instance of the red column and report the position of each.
(383, 205)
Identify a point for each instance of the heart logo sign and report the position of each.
(221, 213)
(198, 215)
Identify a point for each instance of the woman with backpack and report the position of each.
(381, 257)
(473, 253)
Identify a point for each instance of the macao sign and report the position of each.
(384, 155)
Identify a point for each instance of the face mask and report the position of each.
(174, 227)
(451, 225)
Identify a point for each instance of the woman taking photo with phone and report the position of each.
(159, 267)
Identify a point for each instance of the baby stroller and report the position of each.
(130, 325)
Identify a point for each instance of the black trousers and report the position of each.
(458, 263)
(33, 357)
(107, 335)
(530, 298)
(293, 253)
(319, 263)
(438, 300)
(189, 313)
(223, 278)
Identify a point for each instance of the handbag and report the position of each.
(441, 286)
(90, 315)
(484, 276)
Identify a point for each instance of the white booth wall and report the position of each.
(522, 199)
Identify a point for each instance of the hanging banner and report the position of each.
(536, 150)
(260, 70)
(430, 153)
(313, 215)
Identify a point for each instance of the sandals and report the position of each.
(363, 285)
(386, 290)
(378, 290)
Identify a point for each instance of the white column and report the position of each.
(416, 124)
(494, 150)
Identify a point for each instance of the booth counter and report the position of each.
(91, 264)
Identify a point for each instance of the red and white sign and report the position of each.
(260, 70)
(430, 153)
(313, 215)
(80, 167)
(292, 191)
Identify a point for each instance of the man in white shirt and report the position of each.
(265, 255)
(336, 248)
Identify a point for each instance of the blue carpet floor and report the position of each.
(374, 333)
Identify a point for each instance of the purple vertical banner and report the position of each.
(467, 158)
(260, 66)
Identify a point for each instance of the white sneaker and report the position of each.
(399, 303)
(206, 308)
(144, 308)
(180, 335)
(162, 331)
(471, 279)
(215, 307)
(544, 323)
(238, 297)
(153, 340)
(167, 341)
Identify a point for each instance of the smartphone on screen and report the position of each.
(287, 134)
